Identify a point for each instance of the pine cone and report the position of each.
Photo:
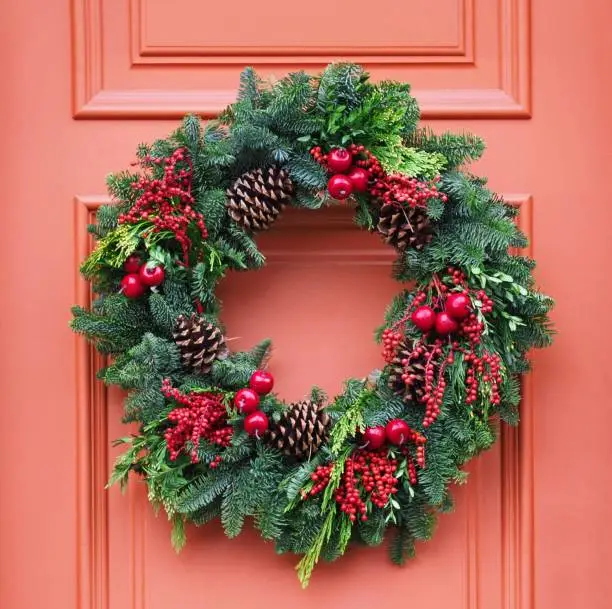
(257, 197)
(301, 431)
(404, 227)
(199, 342)
(415, 368)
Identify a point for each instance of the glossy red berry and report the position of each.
(131, 286)
(261, 382)
(458, 305)
(397, 431)
(246, 400)
(424, 318)
(339, 160)
(374, 437)
(256, 423)
(445, 324)
(152, 275)
(340, 187)
(132, 264)
(360, 178)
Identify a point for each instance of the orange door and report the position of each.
(83, 85)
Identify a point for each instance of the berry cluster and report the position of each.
(450, 313)
(403, 191)
(356, 169)
(247, 402)
(391, 340)
(167, 203)
(369, 476)
(140, 276)
(200, 416)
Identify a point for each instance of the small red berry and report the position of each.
(256, 423)
(398, 431)
(246, 400)
(424, 318)
(339, 160)
(340, 187)
(131, 286)
(360, 178)
(132, 264)
(458, 305)
(261, 382)
(445, 324)
(375, 437)
(152, 275)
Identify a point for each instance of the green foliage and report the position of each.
(474, 230)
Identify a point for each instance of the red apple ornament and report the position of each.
(339, 160)
(340, 187)
(374, 437)
(132, 264)
(445, 324)
(256, 423)
(360, 178)
(131, 286)
(246, 400)
(398, 431)
(152, 276)
(261, 382)
(424, 318)
(458, 305)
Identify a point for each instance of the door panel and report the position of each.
(531, 528)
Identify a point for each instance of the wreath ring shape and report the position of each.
(213, 439)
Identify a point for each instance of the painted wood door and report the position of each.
(82, 85)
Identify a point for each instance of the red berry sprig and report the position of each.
(167, 202)
(368, 477)
(402, 191)
(200, 416)
(391, 340)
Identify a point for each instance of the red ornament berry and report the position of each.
(152, 275)
(256, 423)
(246, 401)
(340, 187)
(131, 286)
(458, 305)
(339, 160)
(398, 431)
(424, 318)
(132, 264)
(374, 437)
(261, 382)
(445, 324)
(360, 178)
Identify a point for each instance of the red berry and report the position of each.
(424, 318)
(131, 286)
(261, 382)
(398, 431)
(340, 187)
(445, 324)
(360, 178)
(375, 437)
(458, 305)
(132, 264)
(246, 401)
(256, 423)
(152, 275)
(339, 160)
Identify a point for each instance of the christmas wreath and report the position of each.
(213, 439)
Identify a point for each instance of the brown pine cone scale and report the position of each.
(404, 227)
(257, 197)
(301, 431)
(199, 343)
